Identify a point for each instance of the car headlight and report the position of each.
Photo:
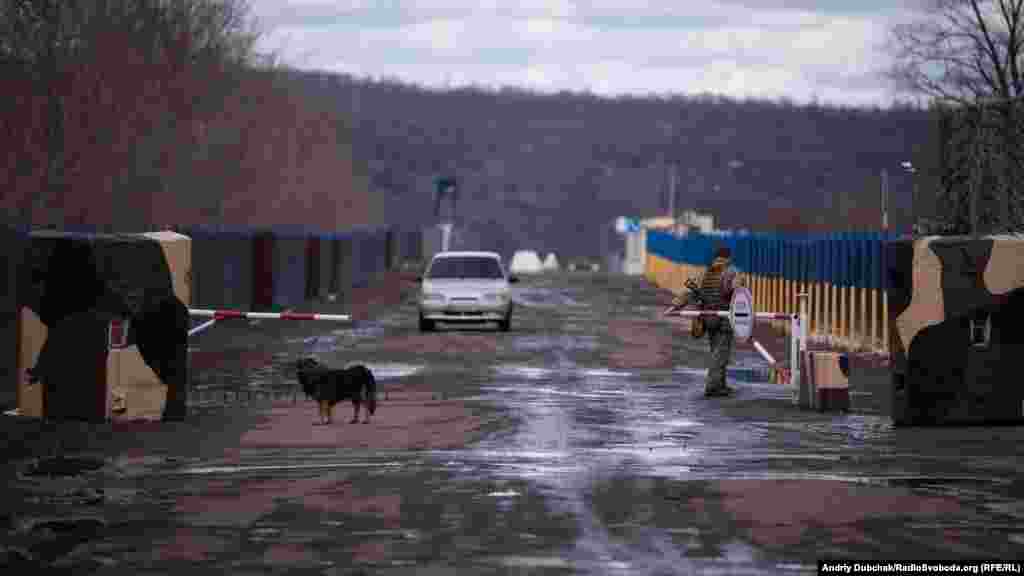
(496, 297)
(432, 298)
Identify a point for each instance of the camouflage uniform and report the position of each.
(716, 290)
(720, 336)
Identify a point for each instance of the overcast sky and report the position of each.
(802, 49)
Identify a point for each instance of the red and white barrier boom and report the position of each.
(742, 316)
(229, 314)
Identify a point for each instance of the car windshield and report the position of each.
(465, 267)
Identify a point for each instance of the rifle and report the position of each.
(690, 284)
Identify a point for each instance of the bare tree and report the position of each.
(968, 56)
(963, 51)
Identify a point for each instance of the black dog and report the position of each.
(328, 386)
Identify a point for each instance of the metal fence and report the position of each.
(842, 273)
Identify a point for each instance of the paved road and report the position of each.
(577, 443)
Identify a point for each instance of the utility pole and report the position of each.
(445, 186)
(885, 200)
(668, 133)
(916, 210)
(915, 215)
(672, 192)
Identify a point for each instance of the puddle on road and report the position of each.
(361, 331)
(569, 371)
(506, 494)
(532, 562)
(604, 373)
(550, 391)
(572, 418)
(578, 425)
(314, 344)
(528, 372)
(545, 343)
(545, 298)
(394, 370)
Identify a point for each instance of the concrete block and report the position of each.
(828, 381)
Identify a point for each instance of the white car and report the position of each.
(470, 287)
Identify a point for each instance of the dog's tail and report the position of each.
(371, 392)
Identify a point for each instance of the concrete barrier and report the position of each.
(955, 329)
(140, 392)
(236, 259)
(262, 270)
(359, 269)
(342, 261)
(85, 284)
(289, 268)
(13, 242)
(326, 265)
(312, 267)
(215, 269)
(208, 268)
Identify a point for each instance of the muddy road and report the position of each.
(577, 443)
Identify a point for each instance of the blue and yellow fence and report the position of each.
(841, 272)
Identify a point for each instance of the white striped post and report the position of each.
(800, 331)
(202, 327)
(229, 314)
(217, 315)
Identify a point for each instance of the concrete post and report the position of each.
(446, 233)
(800, 343)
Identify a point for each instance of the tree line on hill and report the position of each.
(553, 170)
(133, 114)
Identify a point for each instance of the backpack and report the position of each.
(697, 326)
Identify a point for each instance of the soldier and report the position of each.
(715, 293)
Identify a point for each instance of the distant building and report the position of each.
(625, 252)
(526, 262)
(703, 223)
(658, 223)
(689, 220)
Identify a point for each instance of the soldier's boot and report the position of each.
(718, 391)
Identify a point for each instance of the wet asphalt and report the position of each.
(593, 463)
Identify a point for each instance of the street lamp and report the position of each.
(885, 200)
(909, 168)
(668, 133)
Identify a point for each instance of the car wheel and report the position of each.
(504, 325)
(426, 325)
